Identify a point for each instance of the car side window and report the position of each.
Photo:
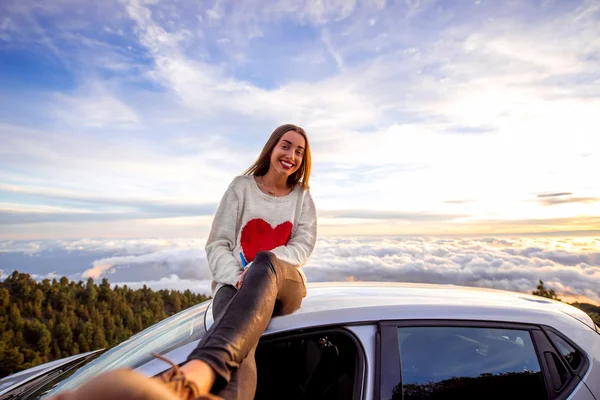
(325, 365)
(570, 354)
(467, 362)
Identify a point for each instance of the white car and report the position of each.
(387, 341)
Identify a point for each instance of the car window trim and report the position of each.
(389, 365)
(585, 362)
(545, 344)
(361, 370)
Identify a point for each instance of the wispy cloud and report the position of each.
(96, 111)
(86, 207)
(330, 48)
(391, 215)
(560, 194)
(553, 199)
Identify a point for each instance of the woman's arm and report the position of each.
(301, 245)
(224, 266)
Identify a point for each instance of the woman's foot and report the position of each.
(120, 384)
(192, 381)
(189, 381)
(199, 373)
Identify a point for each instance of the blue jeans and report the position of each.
(271, 287)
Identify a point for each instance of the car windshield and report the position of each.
(171, 333)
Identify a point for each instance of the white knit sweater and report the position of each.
(248, 221)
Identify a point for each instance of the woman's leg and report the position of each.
(242, 385)
(268, 282)
(233, 336)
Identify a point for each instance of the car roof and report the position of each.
(361, 302)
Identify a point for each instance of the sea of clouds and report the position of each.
(569, 265)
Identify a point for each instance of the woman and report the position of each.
(264, 230)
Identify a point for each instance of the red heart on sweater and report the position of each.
(258, 235)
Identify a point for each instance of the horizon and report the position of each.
(570, 266)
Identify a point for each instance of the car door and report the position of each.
(475, 360)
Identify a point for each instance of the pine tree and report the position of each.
(63, 336)
(4, 300)
(99, 338)
(543, 292)
(14, 317)
(83, 343)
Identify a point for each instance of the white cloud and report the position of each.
(96, 272)
(204, 87)
(185, 263)
(96, 111)
(330, 48)
(246, 13)
(213, 14)
(569, 265)
(122, 247)
(60, 165)
(51, 275)
(172, 282)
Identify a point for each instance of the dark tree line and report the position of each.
(48, 320)
(592, 310)
(485, 386)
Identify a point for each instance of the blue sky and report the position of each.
(128, 119)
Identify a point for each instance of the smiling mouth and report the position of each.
(286, 164)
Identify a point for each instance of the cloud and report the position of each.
(113, 246)
(96, 272)
(172, 282)
(552, 199)
(213, 15)
(569, 265)
(85, 207)
(127, 170)
(96, 111)
(205, 88)
(391, 215)
(185, 263)
(471, 130)
(457, 201)
(555, 194)
(572, 266)
(329, 46)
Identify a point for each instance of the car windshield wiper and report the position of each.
(23, 391)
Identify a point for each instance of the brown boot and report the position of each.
(122, 384)
(176, 381)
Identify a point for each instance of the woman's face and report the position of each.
(287, 155)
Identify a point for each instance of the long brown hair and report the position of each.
(262, 164)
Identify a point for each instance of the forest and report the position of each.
(41, 321)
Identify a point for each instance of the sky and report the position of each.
(453, 142)
(129, 118)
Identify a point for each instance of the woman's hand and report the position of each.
(241, 280)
